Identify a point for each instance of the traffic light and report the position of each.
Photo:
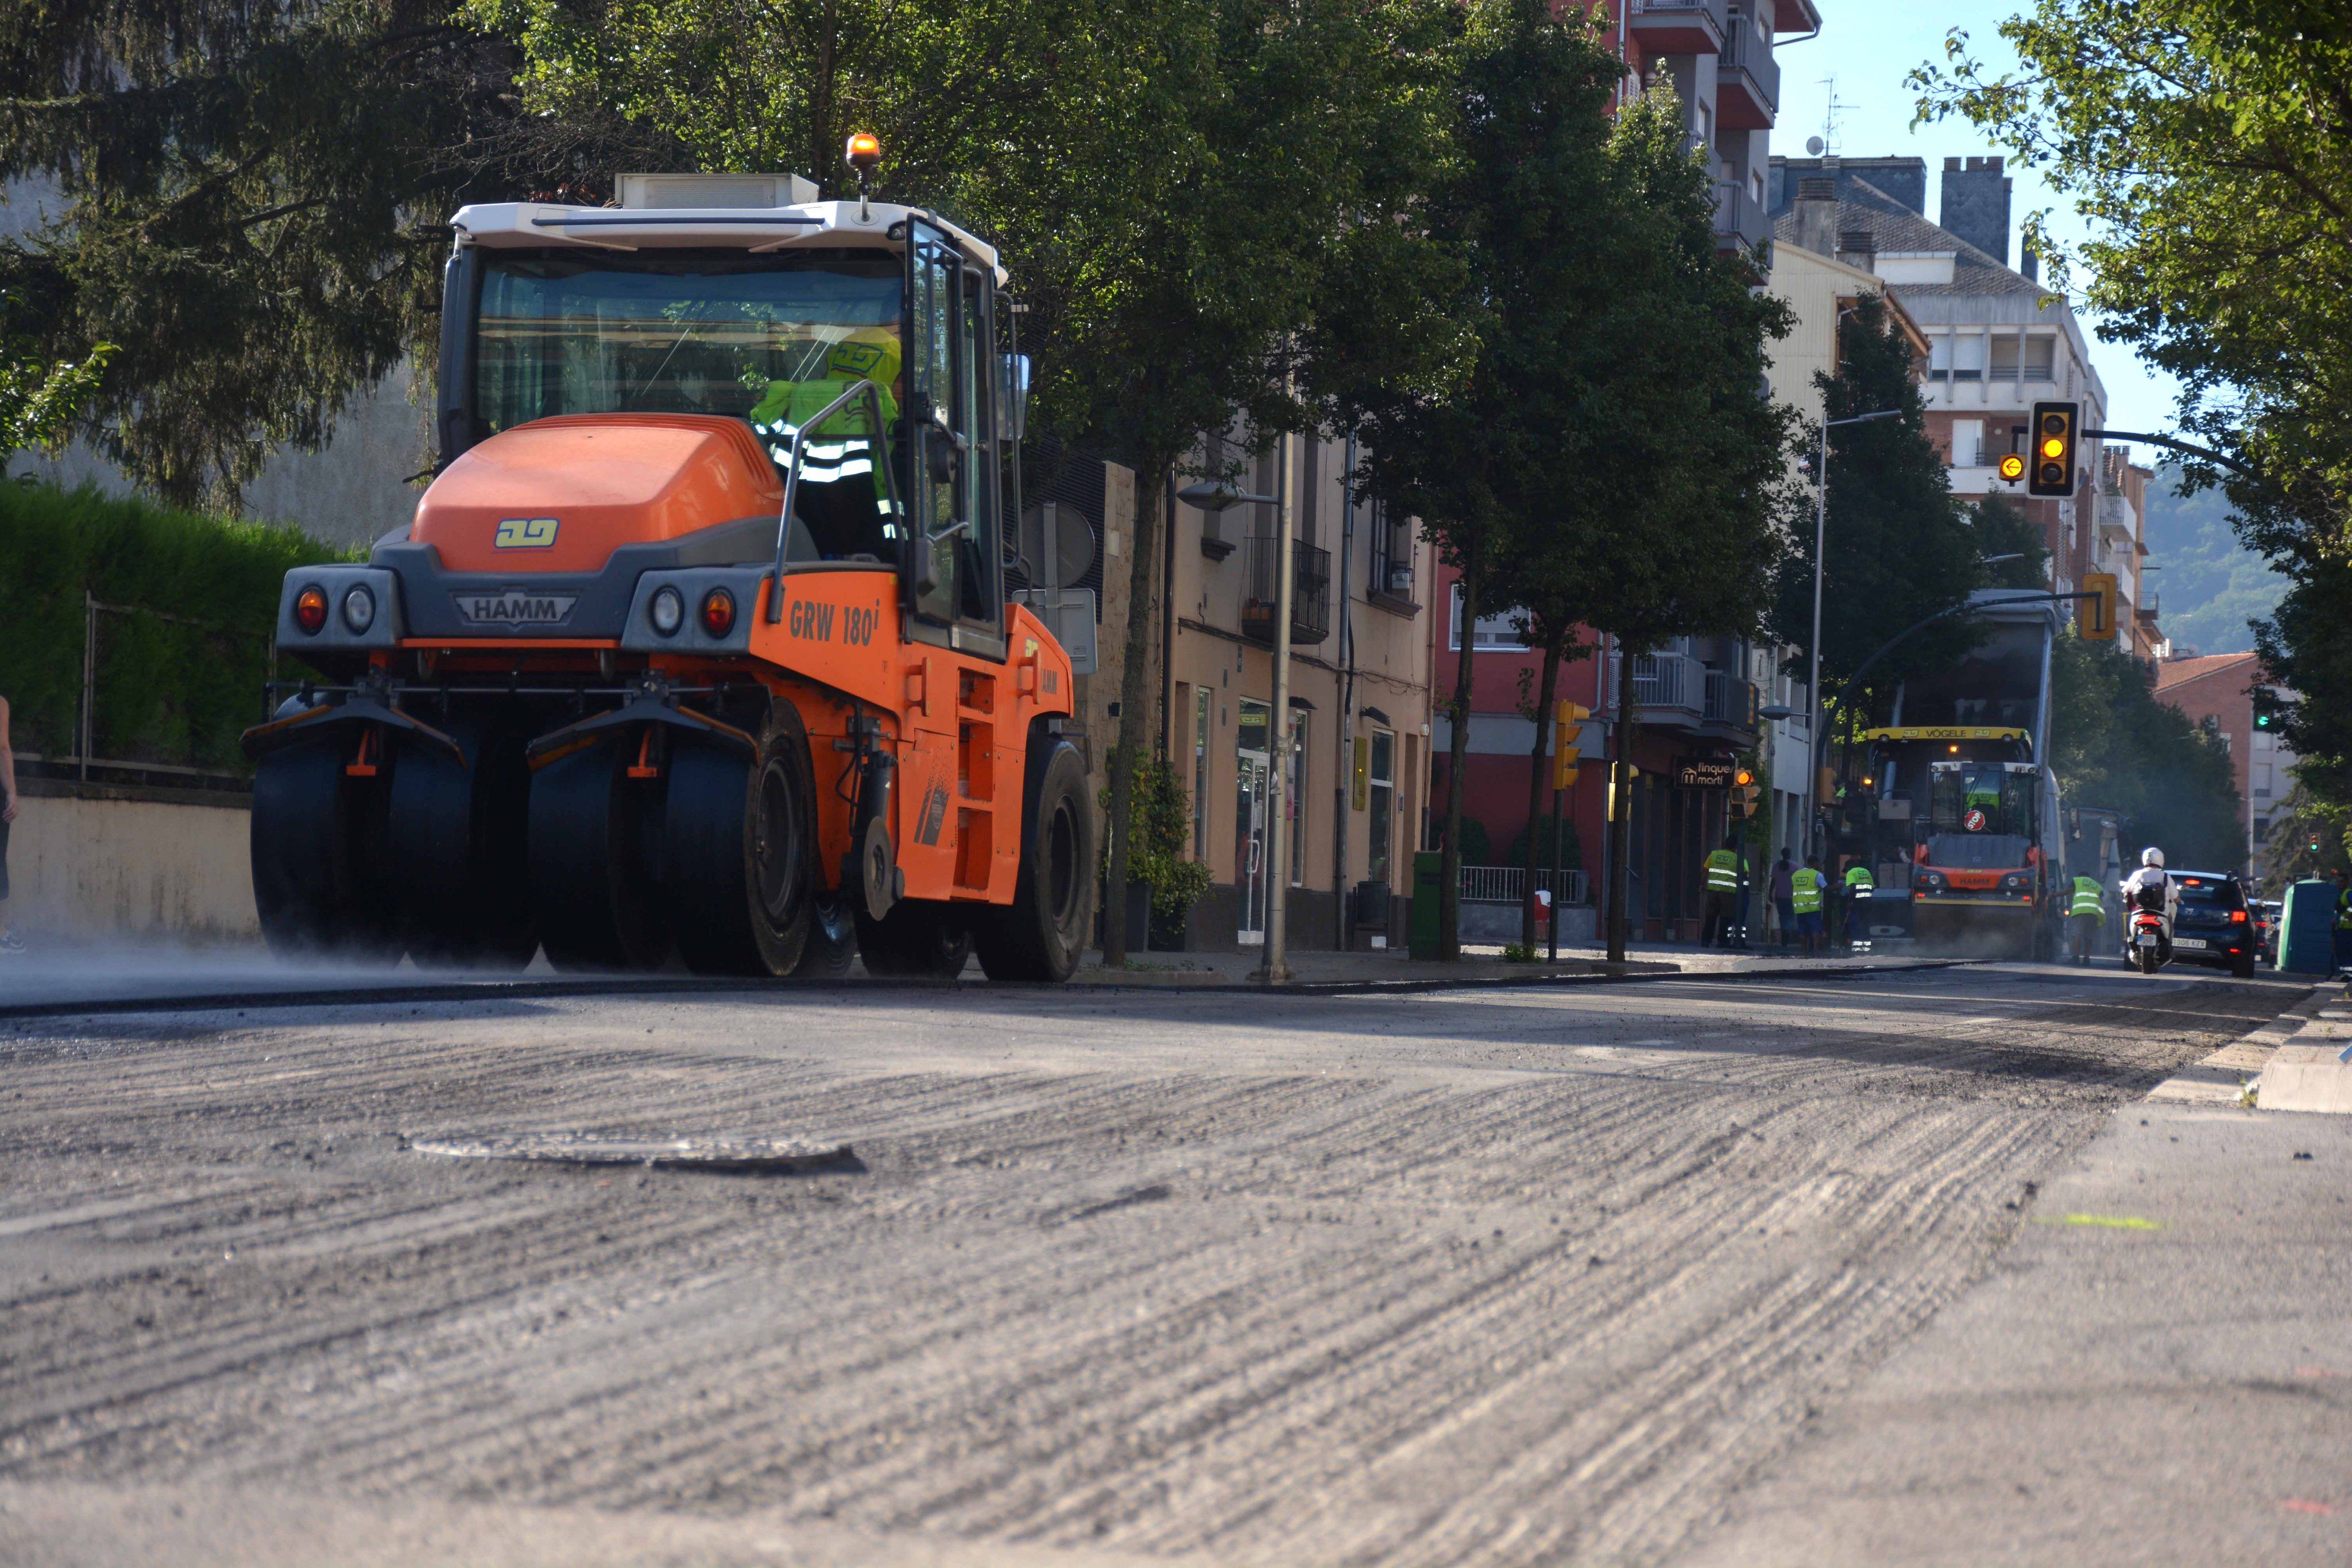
(2094, 617)
(1568, 723)
(2269, 708)
(2050, 469)
(1743, 793)
(2012, 467)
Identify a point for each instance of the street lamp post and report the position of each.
(1814, 682)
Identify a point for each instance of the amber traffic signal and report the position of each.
(2050, 455)
(2012, 467)
(1567, 722)
(1743, 793)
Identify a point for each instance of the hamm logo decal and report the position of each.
(525, 533)
(513, 607)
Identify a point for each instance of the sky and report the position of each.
(1869, 46)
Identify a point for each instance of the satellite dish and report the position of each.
(1813, 145)
(1069, 544)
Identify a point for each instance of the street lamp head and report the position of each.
(1216, 497)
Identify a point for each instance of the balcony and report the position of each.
(1677, 691)
(1679, 27)
(1310, 591)
(1746, 82)
(2118, 526)
(1738, 217)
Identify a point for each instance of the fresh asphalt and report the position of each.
(1757, 1270)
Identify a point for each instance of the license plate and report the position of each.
(2147, 939)
(2198, 942)
(514, 608)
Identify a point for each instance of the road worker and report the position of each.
(1806, 885)
(2086, 915)
(1722, 891)
(1859, 887)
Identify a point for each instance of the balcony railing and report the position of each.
(1738, 215)
(1747, 82)
(1310, 591)
(1730, 700)
(1680, 27)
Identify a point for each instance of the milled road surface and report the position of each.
(1510, 1277)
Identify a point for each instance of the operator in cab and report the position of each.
(2149, 888)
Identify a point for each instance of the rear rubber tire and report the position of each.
(918, 940)
(460, 853)
(592, 891)
(1042, 934)
(740, 851)
(2148, 961)
(318, 848)
(2243, 968)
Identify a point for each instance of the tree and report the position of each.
(41, 398)
(2001, 530)
(2209, 144)
(1898, 549)
(253, 203)
(2113, 744)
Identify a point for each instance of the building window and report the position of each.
(1493, 631)
(1381, 805)
(1202, 698)
(1967, 444)
(2030, 361)
(1392, 555)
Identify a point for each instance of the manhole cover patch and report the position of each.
(685, 1154)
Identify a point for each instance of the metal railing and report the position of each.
(86, 708)
(1680, 10)
(1737, 215)
(1744, 56)
(1508, 885)
(1729, 699)
(1310, 591)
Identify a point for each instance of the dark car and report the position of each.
(2214, 925)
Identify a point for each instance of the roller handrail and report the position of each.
(793, 480)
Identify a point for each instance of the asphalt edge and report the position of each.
(658, 986)
(2226, 1075)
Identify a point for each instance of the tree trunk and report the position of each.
(1536, 772)
(1457, 752)
(1135, 726)
(1621, 826)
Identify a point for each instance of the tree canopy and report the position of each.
(2113, 744)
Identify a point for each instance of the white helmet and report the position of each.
(2152, 856)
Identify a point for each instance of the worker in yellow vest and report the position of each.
(2086, 916)
(1722, 890)
(1806, 886)
(1859, 887)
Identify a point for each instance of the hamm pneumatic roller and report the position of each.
(700, 644)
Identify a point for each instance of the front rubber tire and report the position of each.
(460, 853)
(593, 892)
(1042, 934)
(316, 842)
(741, 862)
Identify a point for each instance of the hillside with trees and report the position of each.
(2211, 585)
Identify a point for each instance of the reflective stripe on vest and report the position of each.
(1858, 879)
(1805, 891)
(1722, 871)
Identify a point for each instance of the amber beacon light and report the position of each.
(2054, 427)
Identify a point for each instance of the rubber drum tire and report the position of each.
(740, 851)
(593, 895)
(311, 847)
(460, 853)
(919, 939)
(832, 941)
(1042, 934)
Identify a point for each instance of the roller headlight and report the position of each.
(310, 610)
(667, 611)
(358, 609)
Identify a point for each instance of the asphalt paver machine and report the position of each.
(699, 646)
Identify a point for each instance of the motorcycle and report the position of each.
(2151, 944)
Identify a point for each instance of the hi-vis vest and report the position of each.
(2087, 899)
(1722, 871)
(1858, 879)
(1805, 890)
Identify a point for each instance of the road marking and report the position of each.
(2107, 1221)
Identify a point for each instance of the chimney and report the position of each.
(2028, 262)
(1858, 248)
(1817, 209)
(1976, 205)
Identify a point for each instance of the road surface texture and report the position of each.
(1499, 1276)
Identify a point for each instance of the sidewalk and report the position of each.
(1480, 963)
(2159, 1370)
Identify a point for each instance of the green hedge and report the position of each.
(166, 692)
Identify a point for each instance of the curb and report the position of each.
(2238, 1072)
(526, 990)
(2308, 1077)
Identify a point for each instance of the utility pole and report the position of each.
(1278, 836)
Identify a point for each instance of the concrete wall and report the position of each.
(97, 861)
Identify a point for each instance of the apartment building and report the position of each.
(1999, 342)
(1721, 57)
(2218, 690)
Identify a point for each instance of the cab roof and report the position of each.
(819, 226)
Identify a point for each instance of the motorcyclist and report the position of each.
(2150, 888)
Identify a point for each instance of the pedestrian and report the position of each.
(1722, 888)
(1805, 887)
(1859, 887)
(1784, 908)
(2086, 916)
(9, 942)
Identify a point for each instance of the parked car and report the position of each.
(2215, 925)
(2267, 913)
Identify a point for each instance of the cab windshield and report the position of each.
(769, 340)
